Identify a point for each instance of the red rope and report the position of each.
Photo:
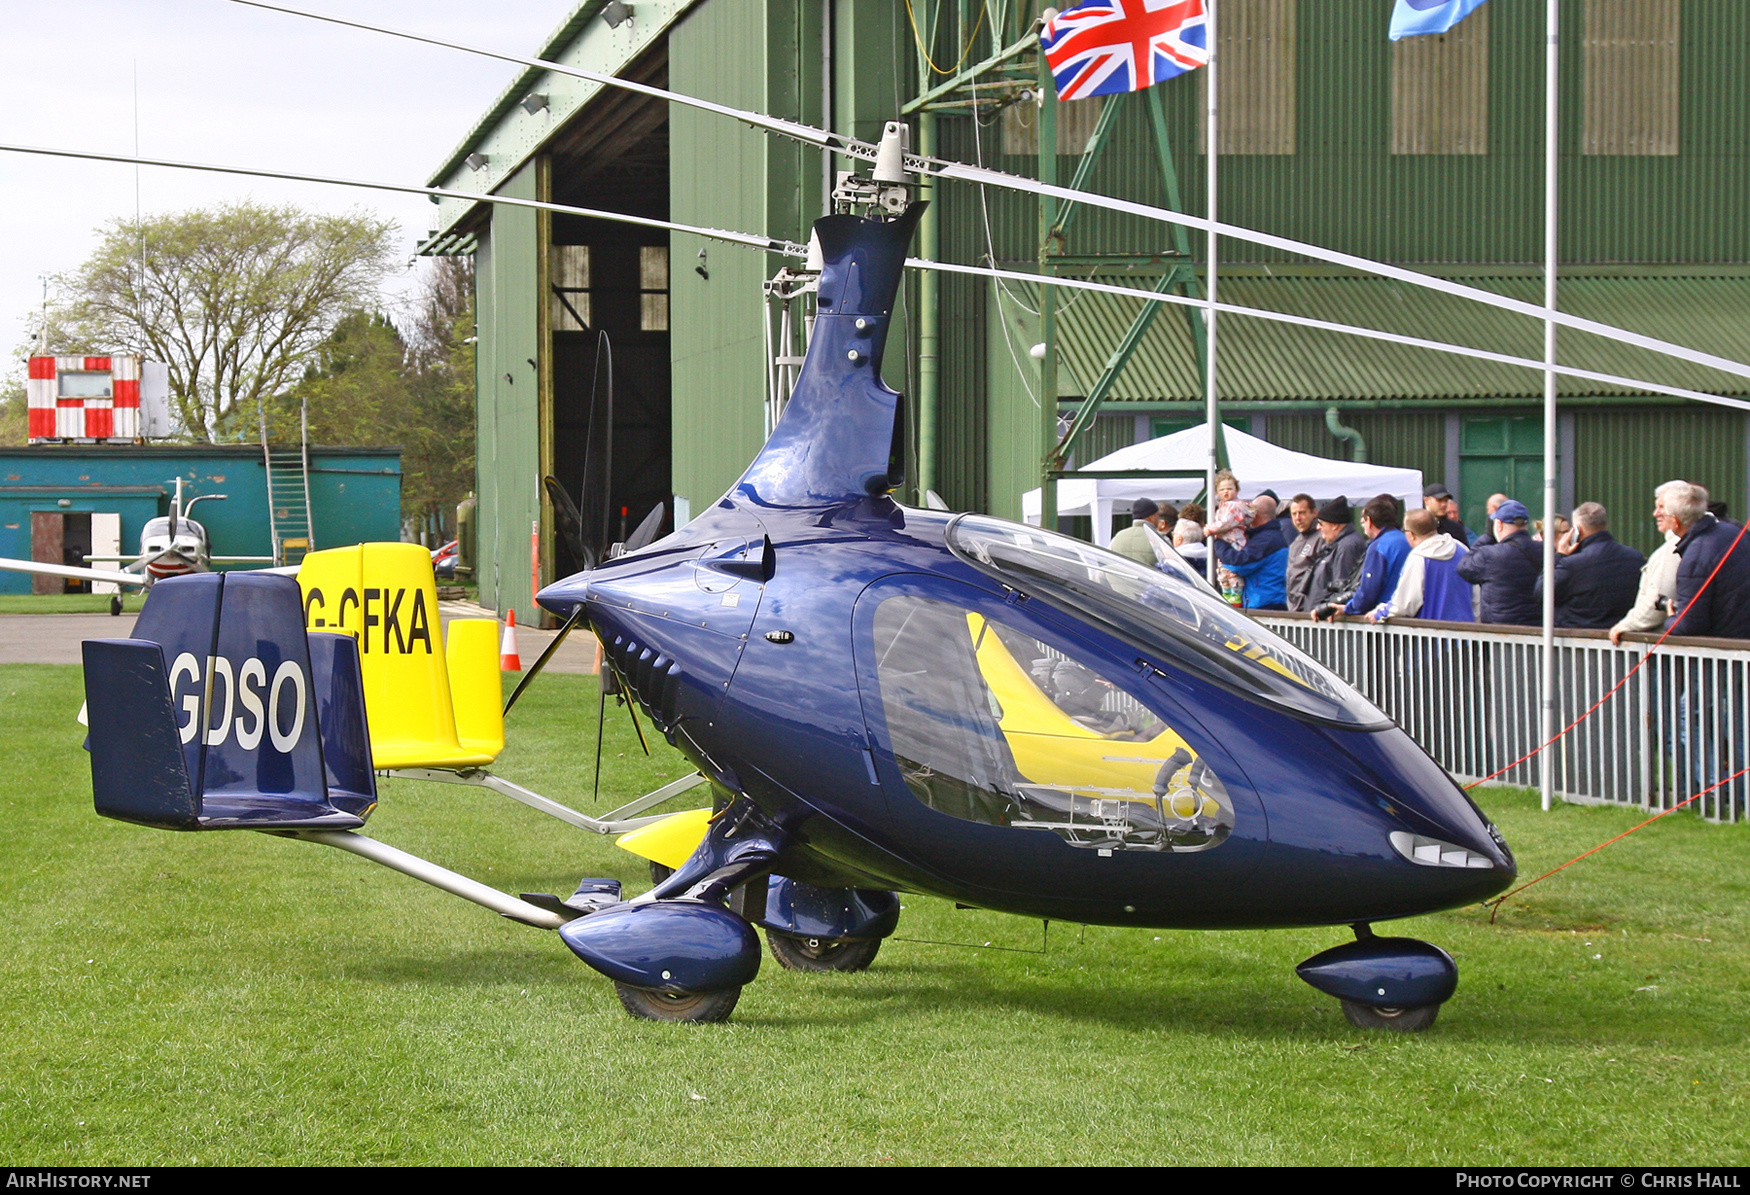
(1546, 875)
(1675, 623)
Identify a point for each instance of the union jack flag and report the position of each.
(1107, 47)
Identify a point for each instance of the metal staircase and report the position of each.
(288, 493)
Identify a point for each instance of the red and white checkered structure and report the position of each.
(83, 415)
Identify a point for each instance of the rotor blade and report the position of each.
(569, 521)
(1071, 284)
(788, 248)
(984, 176)
(646, 531)
(576, 617)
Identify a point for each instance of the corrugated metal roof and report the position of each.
(1264, 360)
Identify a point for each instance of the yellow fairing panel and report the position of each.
(385, 596)
(671, 841)
(476, 690)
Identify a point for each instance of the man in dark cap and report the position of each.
(1135, 542)
(1507, 570)
(1438, 501)
(1338, 563)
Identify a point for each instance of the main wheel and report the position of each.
(115, 604)
(700, 1007)
(659, 872)
(821, 954)
(1401, 1020)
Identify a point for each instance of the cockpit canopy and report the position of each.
(1168, 613)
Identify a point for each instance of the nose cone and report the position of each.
(562, 598)
(1444, 845)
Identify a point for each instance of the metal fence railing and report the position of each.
(1468, 693)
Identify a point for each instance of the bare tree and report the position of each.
(235, 300)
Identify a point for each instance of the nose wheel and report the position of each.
(1384, 983)
(1399, 1020)
(694, 1007)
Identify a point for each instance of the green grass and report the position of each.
(67, 603)
(236, 998)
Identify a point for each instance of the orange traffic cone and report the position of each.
(508, 661)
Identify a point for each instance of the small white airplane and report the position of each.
(170, 546)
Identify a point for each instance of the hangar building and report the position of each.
(1426, 153)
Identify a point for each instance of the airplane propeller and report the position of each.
(642, 537)
(568, 521)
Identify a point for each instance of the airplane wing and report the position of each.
(135, 580)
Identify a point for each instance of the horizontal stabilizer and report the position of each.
(208, 719)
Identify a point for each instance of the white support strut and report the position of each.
(617, 821)
(438, 877)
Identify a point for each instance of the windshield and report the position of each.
(1171, 614)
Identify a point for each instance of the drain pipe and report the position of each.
(1346, 433)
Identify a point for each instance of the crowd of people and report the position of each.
(1425, 563)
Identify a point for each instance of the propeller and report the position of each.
(532, 673)
(568, 522)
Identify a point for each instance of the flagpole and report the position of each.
(1550, 157)
(1211, 401)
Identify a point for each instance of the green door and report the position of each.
(1499, 455)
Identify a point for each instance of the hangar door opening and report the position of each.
(609, 316)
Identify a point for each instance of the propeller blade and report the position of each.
(601, 717)
(646, 531)
(630, 709)
(532, 673)
(568, 522)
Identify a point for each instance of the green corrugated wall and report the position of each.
(507, 290)
(1620, 456)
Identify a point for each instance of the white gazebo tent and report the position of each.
(1258, 464)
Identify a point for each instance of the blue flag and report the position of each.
(1413, 17)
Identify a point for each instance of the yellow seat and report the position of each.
(428, 705)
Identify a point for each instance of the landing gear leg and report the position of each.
(1384, 983)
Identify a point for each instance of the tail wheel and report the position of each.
(1400, 1020)
(696, 1007)
(797, 953)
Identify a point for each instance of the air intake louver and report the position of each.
(650, 676)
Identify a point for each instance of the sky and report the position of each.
(224, 84)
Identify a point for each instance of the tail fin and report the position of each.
(385, 597)
(211, 717)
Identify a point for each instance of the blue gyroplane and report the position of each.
(885, 700)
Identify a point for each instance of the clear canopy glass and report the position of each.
(1168, 613)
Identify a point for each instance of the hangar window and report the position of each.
(989, 724)
(1258, 77)
(1440, 90)
(570, 280)
(1631, 52)
(653, 288)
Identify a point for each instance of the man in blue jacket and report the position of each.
(1263, 562)
(1507, 569)
(1387, 549)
